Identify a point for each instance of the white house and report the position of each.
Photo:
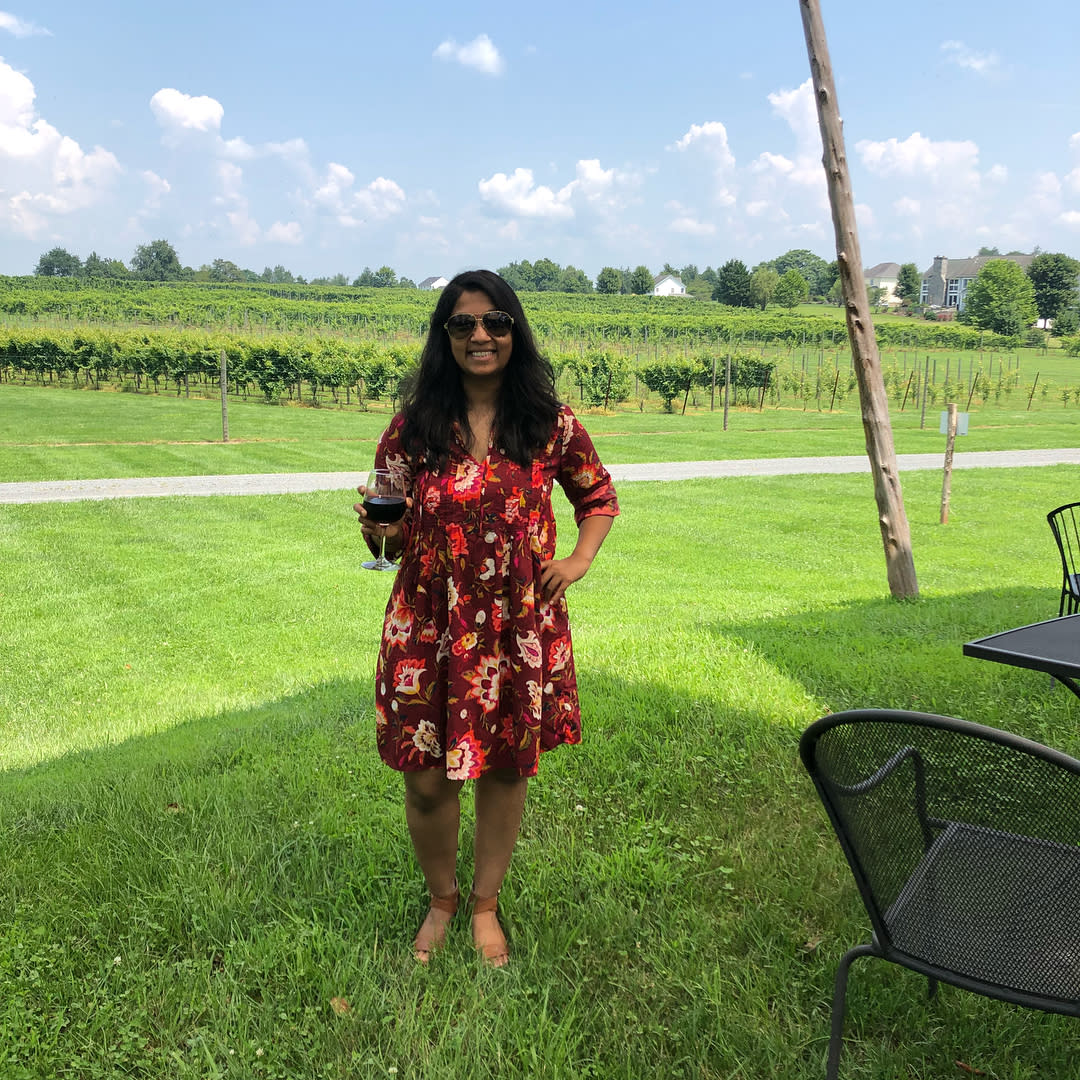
(431, 283)
(668, 285)
(946, 283)
(885, 276)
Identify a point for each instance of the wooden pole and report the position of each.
(895, 533)
(727, 389)
(224, 397)
(925, 391)
(907, 388)
(950, 443)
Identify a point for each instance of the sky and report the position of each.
(434, 138)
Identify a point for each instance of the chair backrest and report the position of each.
(893, 781)
(1065, 525)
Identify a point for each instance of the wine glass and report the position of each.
(384, 503)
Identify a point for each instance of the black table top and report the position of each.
(1052, 646)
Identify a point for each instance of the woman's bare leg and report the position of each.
(500, 799)
(432, 812)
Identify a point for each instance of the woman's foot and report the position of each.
(488, 937)
(432, 933)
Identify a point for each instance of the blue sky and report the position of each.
(333, 136)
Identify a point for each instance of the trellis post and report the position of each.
(224, 397)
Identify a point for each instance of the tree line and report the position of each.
(1004, 298)
(158, 261)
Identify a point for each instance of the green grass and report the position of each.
(200, 850)
(54, 434)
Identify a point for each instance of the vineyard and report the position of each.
(327, 345)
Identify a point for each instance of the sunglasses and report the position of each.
(496, 323)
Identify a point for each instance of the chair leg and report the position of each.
(836, 1036)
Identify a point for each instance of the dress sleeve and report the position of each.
(582, 475)
(390, 454)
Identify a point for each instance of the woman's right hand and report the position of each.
(373, 531)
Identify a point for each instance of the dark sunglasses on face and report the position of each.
(496, 323)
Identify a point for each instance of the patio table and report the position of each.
(1052, 646)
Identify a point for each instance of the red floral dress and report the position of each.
(476, 669)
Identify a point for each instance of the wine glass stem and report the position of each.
(382, 547)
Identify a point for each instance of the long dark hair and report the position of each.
(434, 398)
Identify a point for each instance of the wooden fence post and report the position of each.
(950, 443)
(224, 397)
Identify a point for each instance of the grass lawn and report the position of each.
(59, 434)
(205, 871)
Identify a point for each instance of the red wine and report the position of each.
(383, 509)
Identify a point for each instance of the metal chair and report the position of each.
(1065, 525)
(964, 842)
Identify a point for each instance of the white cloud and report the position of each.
(603, 191)
(176, 111)
(1045, 197)
(692, 227)
(798, 109)
(232, 178)
(521, 196)
(382, 198)
(238, 149)
(20, 27)
(16, 101)
(593, 181)
(285, 233)
(1070, 218)
(245, 229)
(956, 52)
(918, 156)
(291, 150)
(43, 174)
(713, 137)
(769, 162)
(157, 188)
(908, 207)
(479, 54)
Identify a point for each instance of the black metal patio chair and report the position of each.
(964, 842)
(1065, 525)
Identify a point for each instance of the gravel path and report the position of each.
(288, 483)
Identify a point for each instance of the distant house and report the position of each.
(430, 283)
(946, 283)
(884, 276)
(668, 285)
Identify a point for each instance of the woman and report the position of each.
(475, 674)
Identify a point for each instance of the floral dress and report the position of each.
(476, 669)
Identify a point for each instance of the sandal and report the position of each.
(488, 936)
(432, 932)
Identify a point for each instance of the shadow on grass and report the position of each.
(218, 885)
(885, 654)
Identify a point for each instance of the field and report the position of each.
(204, 867)
(351, 348)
